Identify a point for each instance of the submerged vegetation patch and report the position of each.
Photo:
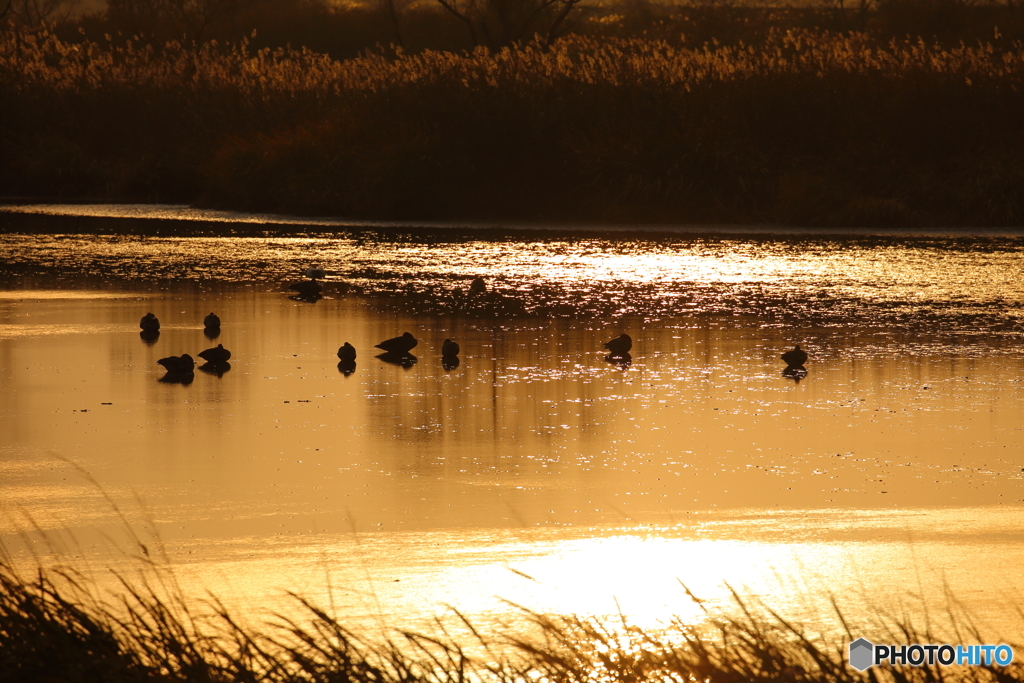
(805, 127)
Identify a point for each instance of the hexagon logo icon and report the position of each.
(862, 654)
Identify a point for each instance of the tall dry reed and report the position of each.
(807, 127)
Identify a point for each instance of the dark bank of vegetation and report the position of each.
(881, 113)
(54, 628)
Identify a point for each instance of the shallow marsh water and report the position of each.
(535, 471)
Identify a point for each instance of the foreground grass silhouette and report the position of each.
(54, 627)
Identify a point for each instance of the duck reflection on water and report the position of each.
(347, 367)
(308, 291)
(449, 363)
(215, 368)
(149, 336)
(406, 360)
(623, 361)
(795, 373)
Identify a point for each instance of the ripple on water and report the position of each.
(953, 284)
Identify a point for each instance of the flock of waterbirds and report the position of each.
(181, 369)
(397, 350)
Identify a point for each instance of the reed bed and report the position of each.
(806, 127)
(54, 626)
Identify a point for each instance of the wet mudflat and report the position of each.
(535, 471)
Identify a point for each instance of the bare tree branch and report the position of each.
(567, 8)
(504, 22)
(38, 12)
(450, 6)
(391, 11)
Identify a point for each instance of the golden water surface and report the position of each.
(536, 472)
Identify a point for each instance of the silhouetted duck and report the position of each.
(180, 364)
(347, 352)
(795, 358)
(212, 322)
(478, 286)
(316, 273)
(450, 349)
(619, 346)
(403, 344)
(216, 355)
(149, 323)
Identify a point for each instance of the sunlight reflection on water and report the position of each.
(952, 285)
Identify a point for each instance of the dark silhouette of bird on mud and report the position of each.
(218, 354)
(795, 357)
(619, 346)
(477, 287)
(149, 323)
(347, 353)
(399, 345)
